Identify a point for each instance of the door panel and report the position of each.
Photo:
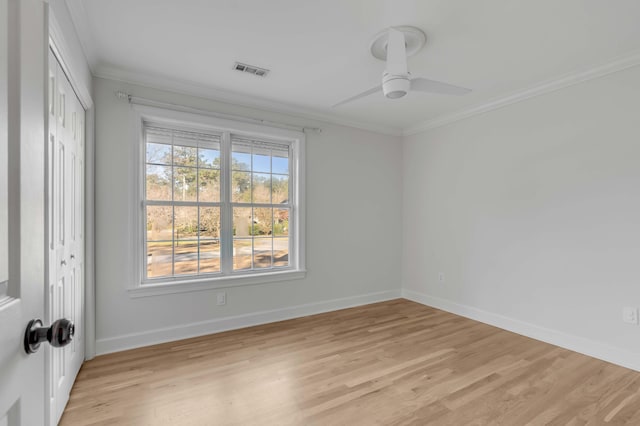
(22, 206)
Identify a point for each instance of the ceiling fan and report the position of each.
(394, 45)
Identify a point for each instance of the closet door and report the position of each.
(66, 242)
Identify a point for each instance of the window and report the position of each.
(260, 202)
(219, 206)
(182, 202)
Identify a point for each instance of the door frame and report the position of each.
(67, 57)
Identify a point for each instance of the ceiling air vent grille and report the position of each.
(251, 69)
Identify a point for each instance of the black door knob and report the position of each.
(58, 335)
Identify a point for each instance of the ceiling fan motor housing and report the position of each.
(395, 86)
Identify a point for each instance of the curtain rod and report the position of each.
(150, 102)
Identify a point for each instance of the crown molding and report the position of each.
(80, 21)
(79, 18)
(548, 86)
(225, 96)
(558, 83)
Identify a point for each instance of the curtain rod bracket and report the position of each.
(123, 95)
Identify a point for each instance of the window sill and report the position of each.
(186, 286)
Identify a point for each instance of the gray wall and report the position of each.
(532, 212)
(353, 225)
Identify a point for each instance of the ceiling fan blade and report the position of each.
(396, 53)
(425, 85)
(360, 95)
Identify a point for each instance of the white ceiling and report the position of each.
(318, 50)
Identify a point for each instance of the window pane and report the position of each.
(209, 256)
(184, 155)
(158, 153)
(280, 252)
(280, 185)
(280, 163)
(262, 250)
(209, 185)
(159, 223)
(281, 222)
(242, 221)
(241, 254)
(186, 223)
(209, 223)
(158, 185)
(262, 218)
(261, 160)
(184, 183)
(185, 257)
(261, 188)
(209, 239)
(241, 158)
(209, 157)
(241, 187)
(159, 259)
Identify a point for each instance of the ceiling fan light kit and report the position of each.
(395, 86)
(393, 45)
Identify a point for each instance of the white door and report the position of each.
(65, 295)
(22, 207)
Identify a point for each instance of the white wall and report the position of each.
(353, 230)
(532, 212)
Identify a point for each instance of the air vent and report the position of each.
(251, 69)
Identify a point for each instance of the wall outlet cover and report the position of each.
(221, 298)
(630, 315)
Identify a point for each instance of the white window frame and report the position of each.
(197, 122)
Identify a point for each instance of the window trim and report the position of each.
(200, 122)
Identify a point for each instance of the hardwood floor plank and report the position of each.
(391, 363)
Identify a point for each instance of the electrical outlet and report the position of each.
(441, 277)
(630, 315)
(221, 298)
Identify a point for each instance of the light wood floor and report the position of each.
(391, 363)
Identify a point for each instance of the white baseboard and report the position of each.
(162, 335)
(574, 343)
